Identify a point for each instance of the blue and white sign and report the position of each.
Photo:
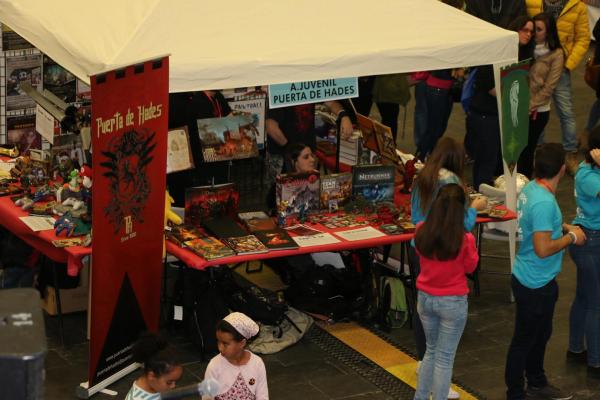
(292, 94)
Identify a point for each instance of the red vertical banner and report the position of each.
(129, 142)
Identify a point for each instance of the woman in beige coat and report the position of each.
(543, 77)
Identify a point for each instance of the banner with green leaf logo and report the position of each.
(515, 111)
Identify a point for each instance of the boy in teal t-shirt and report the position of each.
(587, 188)
(534, 287)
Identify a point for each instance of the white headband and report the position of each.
(243, 324)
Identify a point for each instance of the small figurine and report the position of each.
(302, 213)
(71, 226)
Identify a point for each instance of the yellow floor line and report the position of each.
(381, 353)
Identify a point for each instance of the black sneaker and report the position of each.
(577, 357)
(548, 392)
(593, 372)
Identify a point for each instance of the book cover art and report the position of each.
(203, 202)
(260, 224)
(385, 141)
(228, 138)
(374, 183)
(248, 244)
(209, 248)
(368, 132)
(276, 239)
(335, 190)
(298, 193)
(179, 234)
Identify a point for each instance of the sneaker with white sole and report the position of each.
(452, 394)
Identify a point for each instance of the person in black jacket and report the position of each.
(483, 122)
(594, 116)
(498, 12)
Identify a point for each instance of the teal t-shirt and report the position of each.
(587, 187)
(537, 211)
(445, 177)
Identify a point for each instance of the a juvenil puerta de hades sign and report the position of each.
(296, 93)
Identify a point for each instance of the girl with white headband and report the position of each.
(241, 374)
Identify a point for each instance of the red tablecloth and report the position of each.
(42, 240)
(329, 162)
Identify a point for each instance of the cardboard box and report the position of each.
(71, 300)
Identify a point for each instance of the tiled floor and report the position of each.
(305, 371)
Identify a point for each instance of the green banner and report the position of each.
(515, 111)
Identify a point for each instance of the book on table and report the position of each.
(297, 193)
(276, 239)
(228, 230)
(335, 190)
(374, 183)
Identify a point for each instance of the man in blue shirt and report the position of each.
(533, 280)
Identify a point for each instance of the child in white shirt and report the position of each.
(240, 373)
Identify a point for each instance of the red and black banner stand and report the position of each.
(129, 142)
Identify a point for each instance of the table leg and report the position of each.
(59, 313)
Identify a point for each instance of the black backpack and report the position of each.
(261, 305)
(204, 304)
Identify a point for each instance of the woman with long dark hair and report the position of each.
(444, 166)
(544, 74)
(447, 252)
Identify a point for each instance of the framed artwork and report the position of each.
(179, 153)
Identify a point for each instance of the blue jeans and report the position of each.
(439, 107)
(444, 319)
(420, 116)
(563, 100)
(594, 116)
(584, 320)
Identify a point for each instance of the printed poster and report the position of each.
(228, 138)
(20, 130)
(21, 69)
(12, 41)
(251, 100)
(59, 81)
(129, 138)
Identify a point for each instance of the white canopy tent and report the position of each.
(216, 45)
(228, 44)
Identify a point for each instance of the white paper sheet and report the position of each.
(315, 240)
(38, 223)
(367, 232)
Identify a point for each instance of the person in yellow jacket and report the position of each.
(574, 33)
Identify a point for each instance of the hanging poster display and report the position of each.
(251, 100)
(129, 139)
(20, 130)
(228, 138)
(21, 69)
(12, 41)
(59, 81)
(515, 111)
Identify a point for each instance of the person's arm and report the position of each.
(336, 108)
(581, 38)
(470, 255)
(262, 389)
(275, 132)
(544, 246)
(591, 186)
